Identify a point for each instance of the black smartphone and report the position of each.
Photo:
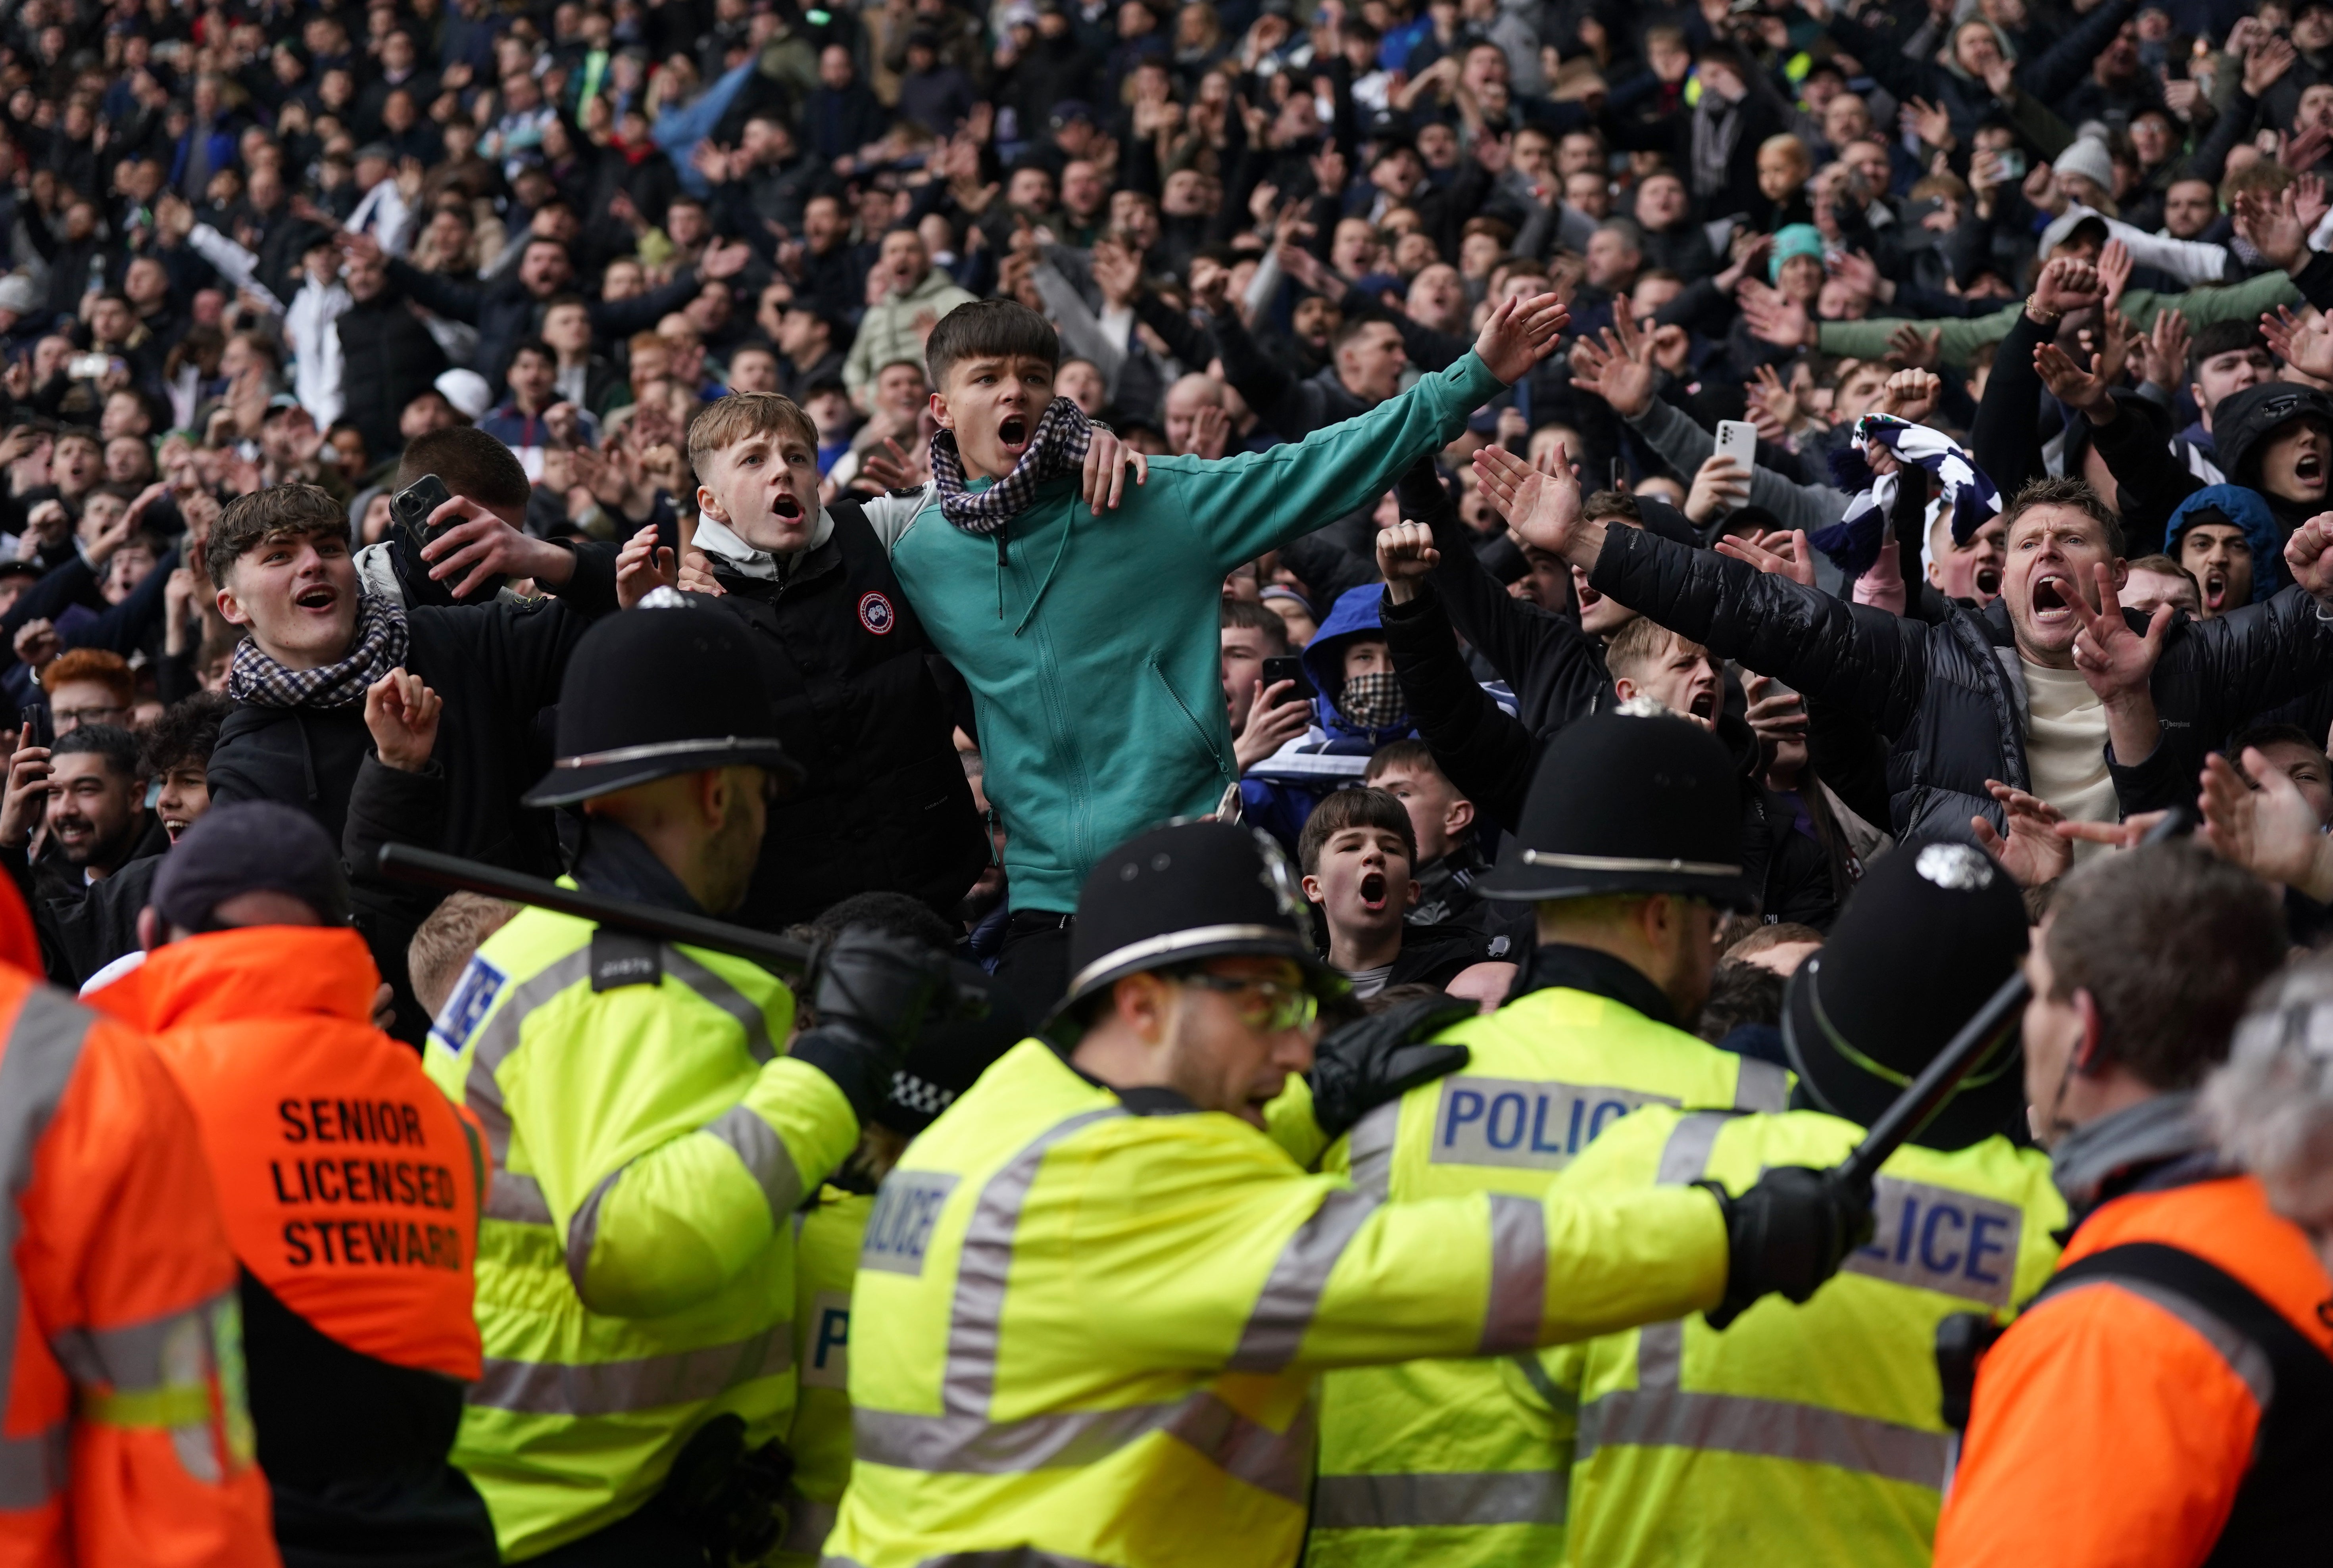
(1288, 666)
(412, 506)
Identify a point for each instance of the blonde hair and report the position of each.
(725, 421)
(1641, 643)
(1783, 141)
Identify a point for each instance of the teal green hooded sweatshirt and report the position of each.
(1091, 644)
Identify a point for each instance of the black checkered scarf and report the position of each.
(257, 678)
(1058, 447)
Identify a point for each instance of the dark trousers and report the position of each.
(1035, 962)
(650, 1538)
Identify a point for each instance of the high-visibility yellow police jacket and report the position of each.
(1459, 1463)
(1801, 1434)
(826, 1238)
(1087, 1325)
(635, 1259)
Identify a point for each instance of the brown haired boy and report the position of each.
(885, 807)
(1357, 852)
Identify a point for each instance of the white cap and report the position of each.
(468, 392)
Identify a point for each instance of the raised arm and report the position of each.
(2054, 74)
(1247, 505)
(1509, 634)
(1865, 660)
(1487, 752)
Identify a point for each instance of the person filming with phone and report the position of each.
(412, 720)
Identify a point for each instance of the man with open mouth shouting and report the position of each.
(1087, 631)
(319, 643)
(2050, 691)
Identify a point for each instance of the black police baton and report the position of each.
(1919, 1105)
(405, 863)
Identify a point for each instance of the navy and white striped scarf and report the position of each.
(1059, 446)
(1853, 542)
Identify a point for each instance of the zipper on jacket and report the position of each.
(1184, 709)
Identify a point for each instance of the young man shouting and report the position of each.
(1357, 852)
(1089, 636)
(319, 647)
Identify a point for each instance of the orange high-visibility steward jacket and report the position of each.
(124, 1442)
(2116, 1422)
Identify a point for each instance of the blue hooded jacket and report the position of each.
(1280, 791)
(2244, 508)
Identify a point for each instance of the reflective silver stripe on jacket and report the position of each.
(43, 1049)
(620, 1388)
(1685, 1154)
(1518, 1303)
(807, 1524)
(517, 1197)
(1659, 1413)
(2243, 1356)
(1761, 1086)
(512, 1195)
(964, 1441)
(754, 1142)
(158, 1374)
(1764, 1429)
(1370, 1151)
(1432, 1499)
(1284, 1308)
(1276, 1462)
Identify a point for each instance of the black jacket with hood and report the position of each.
(2152, 483)
(1555, 669)
(498, 667)
(1949, 697)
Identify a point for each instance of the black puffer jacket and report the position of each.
(1558, 675)
(886, 805)
(1950, 697)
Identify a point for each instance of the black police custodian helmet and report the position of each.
(1927, 937)
(650, 693)
(1628, 805)
(1187, 891)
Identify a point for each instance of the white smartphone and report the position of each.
(1738, 440)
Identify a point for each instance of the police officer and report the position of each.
(650, 1141)
(1815, 1433)
(1094, 1296)
(1630, 843)
(948, 1056)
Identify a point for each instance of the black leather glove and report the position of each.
(1790, 1233)
(730, 1498)
(1382, 1057)
(873, 994)
(880, 988)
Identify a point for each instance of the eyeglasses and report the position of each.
(1277, 1005)
(74, 717)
